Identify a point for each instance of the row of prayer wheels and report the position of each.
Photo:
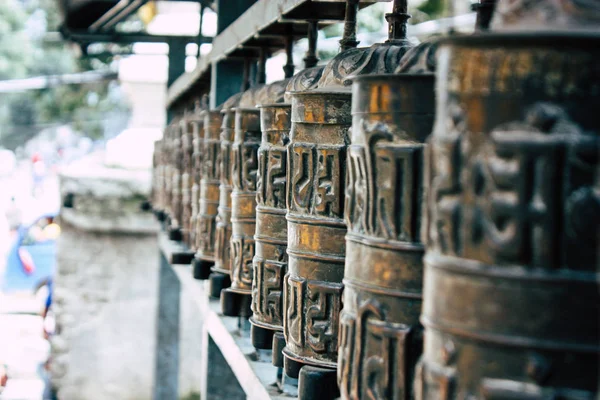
(410, 221)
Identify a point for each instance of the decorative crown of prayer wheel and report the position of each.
(219, 278)
(380, 333)
(511, 301)
(236, 300)
(206, 223)
(317, 161)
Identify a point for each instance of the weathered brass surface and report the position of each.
(167, 173)
(317, 158)
(158, 177)
(381, 337)
(209, 194)
(270, 259)
(235, 301)
(316, 230)
(223, 231)
(187, 175)
(197, 125)
(511, 300)
(174, 176)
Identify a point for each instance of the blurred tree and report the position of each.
(25, 52)
(15, 46)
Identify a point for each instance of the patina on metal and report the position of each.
(158, 178)
(317, 157)
(188, 133)
(166, 176)
(197, 120)
(270, 260)
(511, 301)
(220, 276)
(175, 171)
(206, 222)
(236, 300)
(380, 333)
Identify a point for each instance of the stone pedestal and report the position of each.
(107, 297)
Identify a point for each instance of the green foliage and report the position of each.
(15, 47)
(370, 19)
(25, 53)
(427, 10)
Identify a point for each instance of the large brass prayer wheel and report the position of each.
(317, 158)
(511, 301)
(176, 171)
(197, 125)
(316, 229)
(206, 224)
(236, 300)
(381, 337)
(220, 278)
(167, 147)
(187, 176)
(270, 259)
(158, 172)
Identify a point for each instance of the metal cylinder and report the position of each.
(316, 230)
(380, 333)
(222, 266)
(188, 131)
(313, 288)
(167, 173)
(511, 301)
(235, 301)
(270, 259)
(176, 155)
(158, 179)
(197, 124)
(206, 223)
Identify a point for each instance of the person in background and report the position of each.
(38, 169)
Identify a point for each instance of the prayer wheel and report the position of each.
(158, 172)
(236, 300)
(197, 124)
(381, 337)
(219, 278)
(206, 223)
(270, 260)
(317, 159)
(511, 300)
(187, 174)
(174, 176)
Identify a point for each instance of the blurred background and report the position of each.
(64, 104)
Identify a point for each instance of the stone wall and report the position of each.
(107, 293)
(105, 304)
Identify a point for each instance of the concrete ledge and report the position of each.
(253, 371)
